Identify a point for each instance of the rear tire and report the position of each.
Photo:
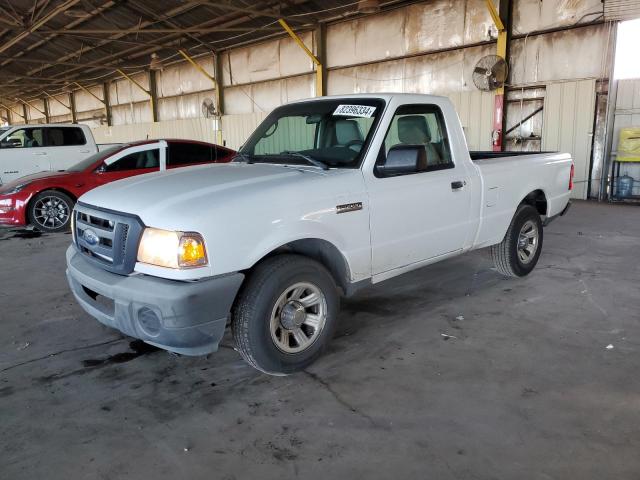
(50, 211)
(285, 314)
(518, 253)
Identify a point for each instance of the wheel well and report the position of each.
(538, 200)
(55, 189)
(323, 252)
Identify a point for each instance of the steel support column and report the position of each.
(319, 68)
(107, 103)
(45, 103)
(72, 107)
(502, 21)
(153, 94)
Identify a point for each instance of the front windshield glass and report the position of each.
(87, 162)
(325, 133)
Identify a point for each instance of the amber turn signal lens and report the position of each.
(191, 252)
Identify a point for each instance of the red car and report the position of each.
(45, 200)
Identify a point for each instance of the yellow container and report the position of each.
(629, 145)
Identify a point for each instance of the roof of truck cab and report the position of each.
(40, 125)
(382, 96)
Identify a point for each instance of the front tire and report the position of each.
(285, 314)
(518, 253)
(50, 211)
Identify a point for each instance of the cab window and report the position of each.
(136, 161)
(419, 125)
(24, 138)
(65, 137)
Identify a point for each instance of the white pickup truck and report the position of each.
(27, 149)
(326, 196)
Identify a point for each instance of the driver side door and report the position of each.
(22, 153)
(421, 215)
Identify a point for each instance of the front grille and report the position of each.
(108, 238)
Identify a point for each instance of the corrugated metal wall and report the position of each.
(204, 129)
(569, 109)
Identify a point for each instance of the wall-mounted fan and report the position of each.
(490, 73)
(208, 108)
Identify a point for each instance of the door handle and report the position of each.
(85, 151)
(40, 153)
(458, 184)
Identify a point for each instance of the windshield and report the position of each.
(323, 133)
(87, 162)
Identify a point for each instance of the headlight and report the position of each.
(15, 189)
(169, 249)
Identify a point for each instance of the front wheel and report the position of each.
(518, 253)
(50, 211)
(285, 314)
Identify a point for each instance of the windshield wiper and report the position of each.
(312, 161)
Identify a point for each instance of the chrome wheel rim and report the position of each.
(528, 241)
(51, 212)
(298, 317)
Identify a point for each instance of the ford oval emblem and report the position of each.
(90, 237)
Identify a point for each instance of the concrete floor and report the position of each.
(526, 388)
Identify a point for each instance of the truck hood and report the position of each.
(186, 192)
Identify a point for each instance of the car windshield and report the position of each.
(87, 162)
(322, 133)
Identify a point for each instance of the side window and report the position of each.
(420, 125)
(136, 161)
(24, 138)
(181, 154)
(65, 137)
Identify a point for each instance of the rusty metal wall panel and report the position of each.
(267, 61)
(184, 78)
(419, 28)
(183, 106)
(431, 73)
(532, 15)
(572, 54)
(265, 96)
(55, 109)
(131, 113)
(569, 110)
(621, 9)
(122, 91)
(86, 102)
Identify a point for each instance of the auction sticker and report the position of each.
(354, 111)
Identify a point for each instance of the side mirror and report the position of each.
(403, 160)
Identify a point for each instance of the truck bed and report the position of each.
(486, 155)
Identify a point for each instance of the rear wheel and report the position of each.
(518, 253)
(285, 314)
(50, 211)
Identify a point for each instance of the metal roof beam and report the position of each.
(37, 24)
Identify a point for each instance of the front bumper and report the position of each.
(183, 317)
(12, 212)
